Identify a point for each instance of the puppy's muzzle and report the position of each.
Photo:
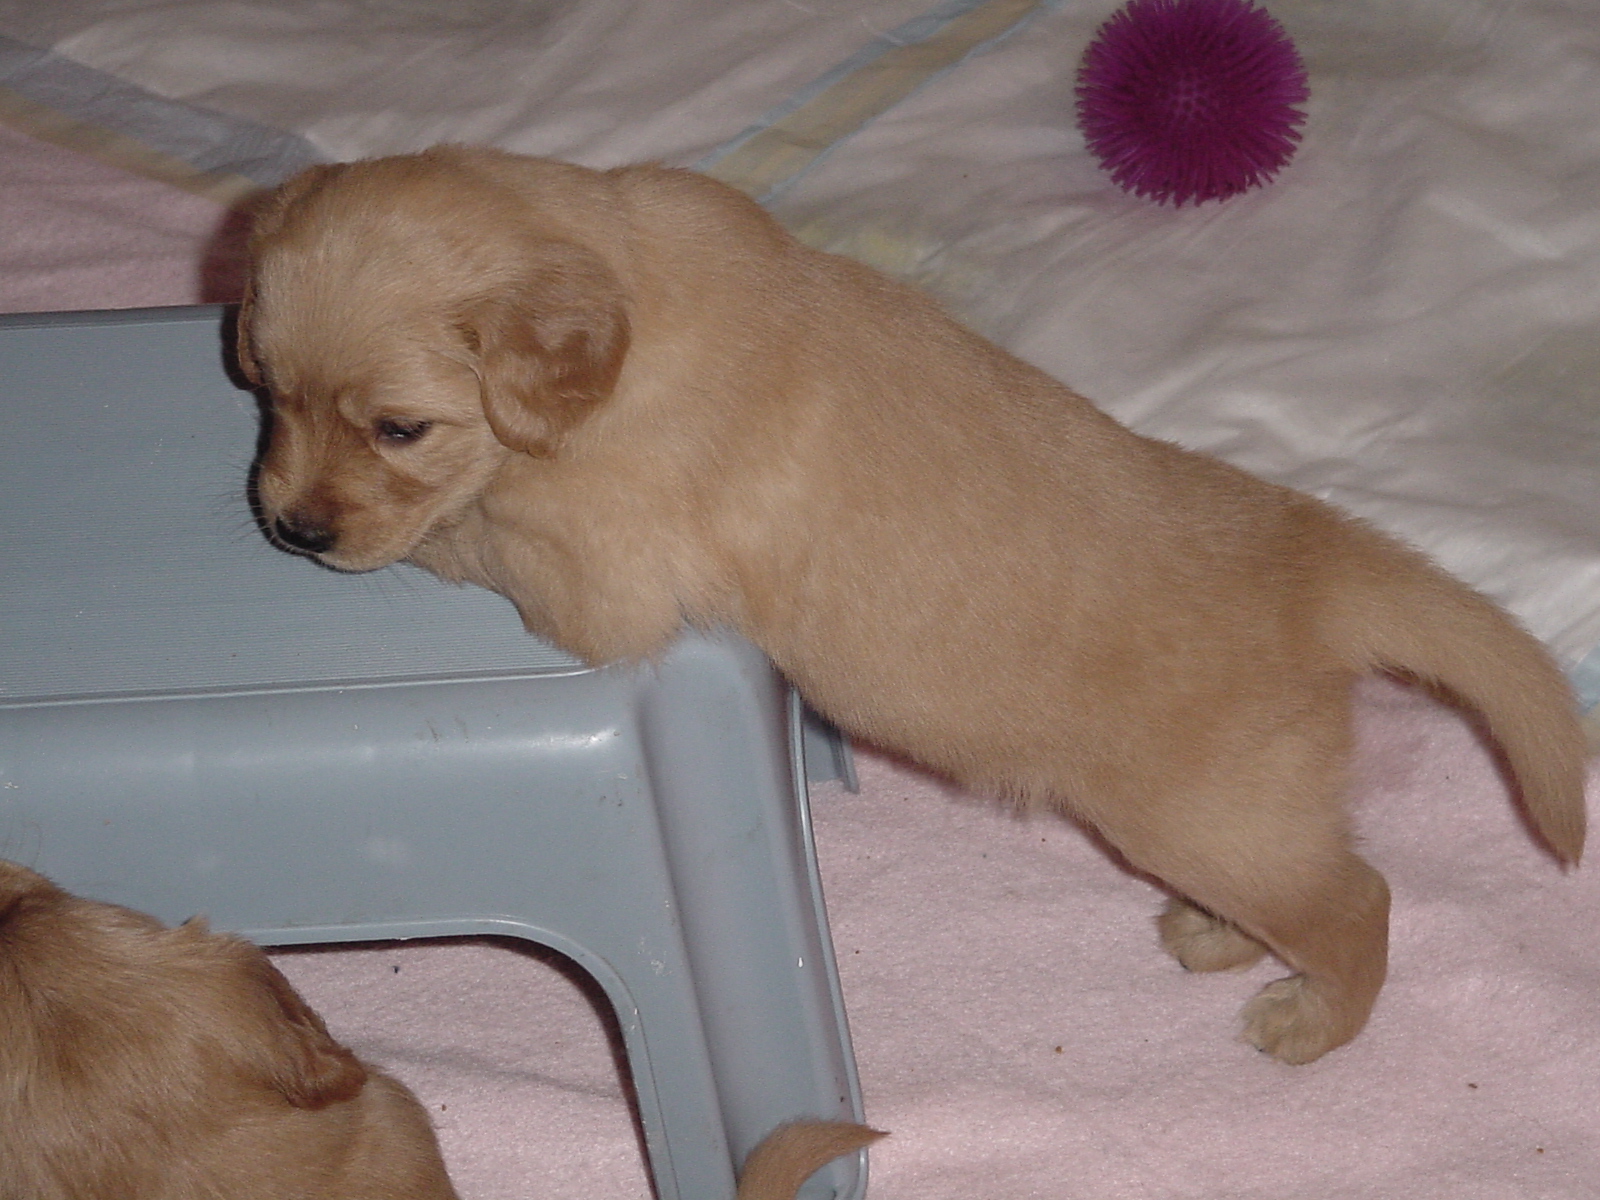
(302, 533)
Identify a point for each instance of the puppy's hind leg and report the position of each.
(1339, 944)
(1265, 859)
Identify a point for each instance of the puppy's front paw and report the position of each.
(1202, 942)
(1294, 1022)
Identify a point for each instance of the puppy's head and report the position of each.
(415, 324)
(129, 1050)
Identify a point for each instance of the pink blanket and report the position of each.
(1016, 1027)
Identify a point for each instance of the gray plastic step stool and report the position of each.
(191, 721)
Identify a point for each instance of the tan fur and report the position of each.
(139, 1062)
(791, 1154)
(629, 400)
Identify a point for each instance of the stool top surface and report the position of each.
(130, 563)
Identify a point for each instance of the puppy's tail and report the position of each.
(791, 1154)
(1390, 607)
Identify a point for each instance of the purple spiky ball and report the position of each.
(1191, 100)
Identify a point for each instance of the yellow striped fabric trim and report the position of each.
(120, 150)
(768, 159)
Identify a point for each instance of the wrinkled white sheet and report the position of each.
(1405, 323)
(599, 81)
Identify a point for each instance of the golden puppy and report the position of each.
(139, 1062)
(628, 400)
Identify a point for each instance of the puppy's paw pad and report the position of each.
(1293, 1022)
(1202, 942)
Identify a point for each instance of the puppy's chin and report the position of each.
(357, 563)
(352, 554)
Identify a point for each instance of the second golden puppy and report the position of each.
(629, 400)
(139, 1062)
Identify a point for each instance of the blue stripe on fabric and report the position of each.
(1586, 680)
(208, 141)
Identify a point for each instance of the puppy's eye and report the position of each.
(396, 431)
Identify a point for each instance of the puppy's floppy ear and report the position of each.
(547, 346)
(306, 1064)
(276, 1037)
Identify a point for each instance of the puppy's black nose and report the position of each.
(303, 534)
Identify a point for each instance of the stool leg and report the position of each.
(722, 736)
